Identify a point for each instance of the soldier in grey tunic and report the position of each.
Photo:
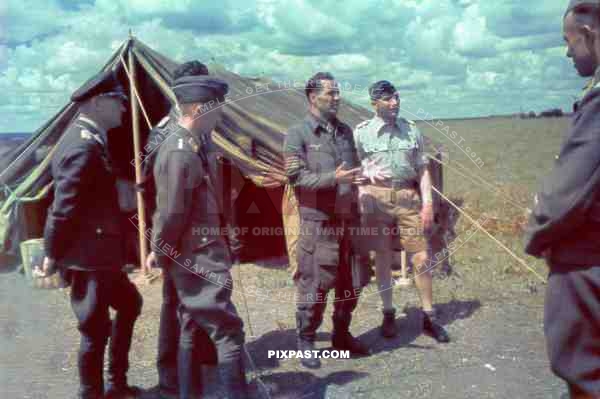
(564, 227)
(322, 166)
(190, 243)
(168, 335)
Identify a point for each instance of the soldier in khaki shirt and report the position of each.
(397, 204)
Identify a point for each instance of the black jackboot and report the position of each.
(90, 363)
(118, 360)
(341, 339)
(388, 325)
(232, 378)
(306, 341)
(190, 378)
(168, 344)
(305, 346)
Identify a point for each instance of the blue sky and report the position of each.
(452, 58)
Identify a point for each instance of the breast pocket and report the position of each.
(398, 144)
(404, 152)
(320, 158)
(375, 146)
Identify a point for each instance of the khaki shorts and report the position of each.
(391, 219)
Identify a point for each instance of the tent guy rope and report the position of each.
(498, 242)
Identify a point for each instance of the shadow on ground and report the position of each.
(411, 326)
(304, 385)
(279, 340)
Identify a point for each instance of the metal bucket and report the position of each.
(32, 255)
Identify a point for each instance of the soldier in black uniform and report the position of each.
(564, 227)
(83, 239)
(190, 244)
(168, 335)
(322, 166)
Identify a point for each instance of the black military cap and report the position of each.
(577, 3)
(199, 89)
(105, 84)
(380, 89)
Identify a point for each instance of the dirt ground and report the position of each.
(497, 349)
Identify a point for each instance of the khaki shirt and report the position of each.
(397, 149)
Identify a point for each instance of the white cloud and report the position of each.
(453, 57)
(471, 35)
(27, 19)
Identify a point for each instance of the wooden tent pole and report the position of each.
(138, 163)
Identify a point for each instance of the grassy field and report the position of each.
(516, 154)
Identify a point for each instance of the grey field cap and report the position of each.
(576, 3)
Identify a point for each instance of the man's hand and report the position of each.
(346, 176)
(151, 261)
(47, 270)
(375, 173)
(427, 217)
(360, 180)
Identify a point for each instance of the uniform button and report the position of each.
(204, 239)
(98, 231)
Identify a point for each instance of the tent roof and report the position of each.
(251, 133)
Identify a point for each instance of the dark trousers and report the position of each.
(92, 294)
(168, 341)
(211, 332)
(572, 327)
(326, 261)
(168, 338)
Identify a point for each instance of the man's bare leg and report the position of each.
(423, 280)
(383, 273)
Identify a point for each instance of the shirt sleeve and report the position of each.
(421, 159)
(176, 175)
(296, 167)
(72, 176)
(569, 191)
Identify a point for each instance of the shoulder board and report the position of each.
(180, 143)
(86, 134)
(363, 124)
(193, 144)
(163, 122)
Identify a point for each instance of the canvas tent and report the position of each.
(251, 135)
